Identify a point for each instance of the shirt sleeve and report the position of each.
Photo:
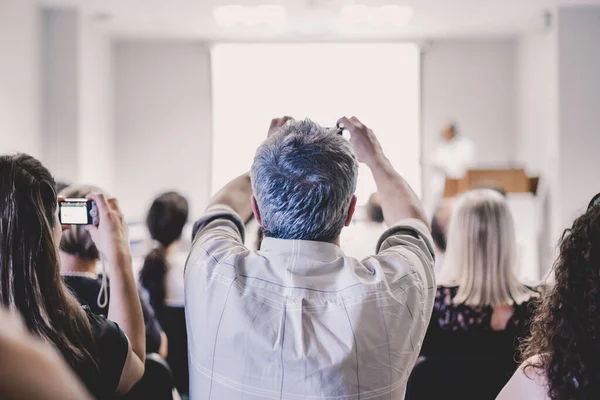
(218, 237)
(408, 242)
(112, 348)
(219, 220)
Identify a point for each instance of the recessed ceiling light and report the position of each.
(236, 15)
(356, 16)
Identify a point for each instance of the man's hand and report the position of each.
(365, 143)
(397, 199)
(277, 123)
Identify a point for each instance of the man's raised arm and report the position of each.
(397, 199)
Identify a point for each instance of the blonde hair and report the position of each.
(481, 253)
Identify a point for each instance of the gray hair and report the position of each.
(304, 177)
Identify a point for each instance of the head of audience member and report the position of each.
(166, 219)
(449, 132)
(374, 210)
(77, 249)
(492, 186)
(60, 186)
(565, 331)
(481, 252)
(439, 224)
(30, 280)
(304, 179)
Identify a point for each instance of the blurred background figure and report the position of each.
(359, 240)
(162, 277)
(439, 231)
(454, 155)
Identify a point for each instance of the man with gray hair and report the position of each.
(298, 319)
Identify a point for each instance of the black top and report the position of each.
(458, 330)
(87, 289)
(111, 350)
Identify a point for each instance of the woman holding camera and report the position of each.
(107, 355)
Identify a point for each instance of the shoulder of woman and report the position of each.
(532, 369)
(104, 329)
(528, 382)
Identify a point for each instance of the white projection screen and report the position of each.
(378, 83)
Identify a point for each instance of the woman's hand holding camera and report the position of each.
(111, 236)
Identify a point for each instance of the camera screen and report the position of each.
(75, 213)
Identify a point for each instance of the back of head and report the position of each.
(167, 216)
(449, 131)
(565, 332)
(29, 269)
(481, 251)
(77, 240)
(165, 221)
(304, 178)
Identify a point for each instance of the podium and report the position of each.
(509, 180)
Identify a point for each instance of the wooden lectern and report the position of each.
(511, 180)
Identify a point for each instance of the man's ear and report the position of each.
(256, 211)
(351, 210)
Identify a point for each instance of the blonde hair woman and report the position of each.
(481, 310)
(481, 253)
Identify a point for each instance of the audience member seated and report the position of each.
(563, 353)
(31, 369)
(439, 231)
(300, 319)
(162, 277)
(359, 239)
(481, 311)
(104, 358)
(374, 210)
(79, 259)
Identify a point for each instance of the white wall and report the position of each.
(537, 130)
(60, 107)
(537, 100)
(96, 145)
(474, 84)
(20, 89)
(163, 123)
(579, 104)
(559, 123)
(77, 102)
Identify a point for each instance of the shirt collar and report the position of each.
(310, 249)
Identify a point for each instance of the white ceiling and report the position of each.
(315, 19)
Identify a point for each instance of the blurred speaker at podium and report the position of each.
(454, 156)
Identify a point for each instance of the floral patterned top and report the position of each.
(466, 331)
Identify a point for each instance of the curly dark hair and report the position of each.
(565, 332)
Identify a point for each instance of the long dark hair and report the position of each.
(166, 219)
(565, 332)
(30, 280)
